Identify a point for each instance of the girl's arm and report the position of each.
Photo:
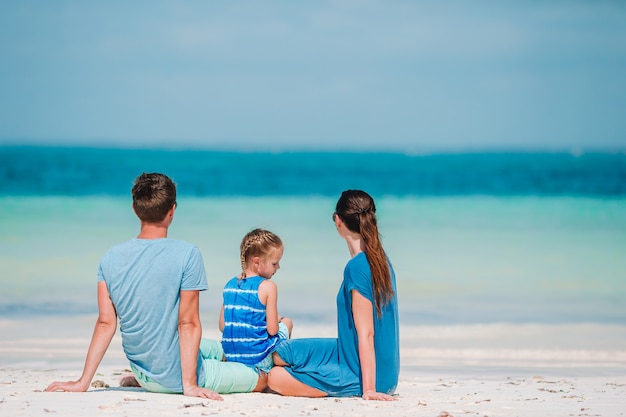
(363, 314)
(268, 295)
(100, 340)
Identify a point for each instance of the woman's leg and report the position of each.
(281, 382)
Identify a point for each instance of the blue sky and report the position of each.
(397, 75)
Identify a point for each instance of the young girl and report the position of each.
(249, 320)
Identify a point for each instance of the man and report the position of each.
(152, 284)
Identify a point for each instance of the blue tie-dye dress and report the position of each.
(245, 338)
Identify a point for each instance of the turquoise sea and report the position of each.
(474, 238)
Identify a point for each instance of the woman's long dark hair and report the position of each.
(357, 210)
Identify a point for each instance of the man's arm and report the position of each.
(220, 323)
(100, 340)
(189, 333)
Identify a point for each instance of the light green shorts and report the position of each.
(225, 377)
(221, 377)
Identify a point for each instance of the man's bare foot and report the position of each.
(128, 380)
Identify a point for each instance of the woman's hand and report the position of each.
(378, 396)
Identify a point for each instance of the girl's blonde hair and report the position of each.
(258, 242)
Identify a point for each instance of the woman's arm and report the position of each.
(189, 333)
(363, 314)
(100, 340)
(268, 295)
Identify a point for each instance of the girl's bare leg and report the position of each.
(289, 323)
(261, 386)
(278, 361)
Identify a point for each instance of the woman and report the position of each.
(365, 358)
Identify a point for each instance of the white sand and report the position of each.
(475, 370)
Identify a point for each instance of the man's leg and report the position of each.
(228, 377)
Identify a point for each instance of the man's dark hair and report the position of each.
(154, 195)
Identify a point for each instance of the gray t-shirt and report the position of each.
(144, 278)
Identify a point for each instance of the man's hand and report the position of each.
(196, 391)
(72, 386)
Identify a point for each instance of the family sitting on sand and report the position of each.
(152, 285)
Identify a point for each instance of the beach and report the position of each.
(510, 303)
(499, 317)
(462, 370)
(491, 137)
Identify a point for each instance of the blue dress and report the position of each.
(333, 365)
